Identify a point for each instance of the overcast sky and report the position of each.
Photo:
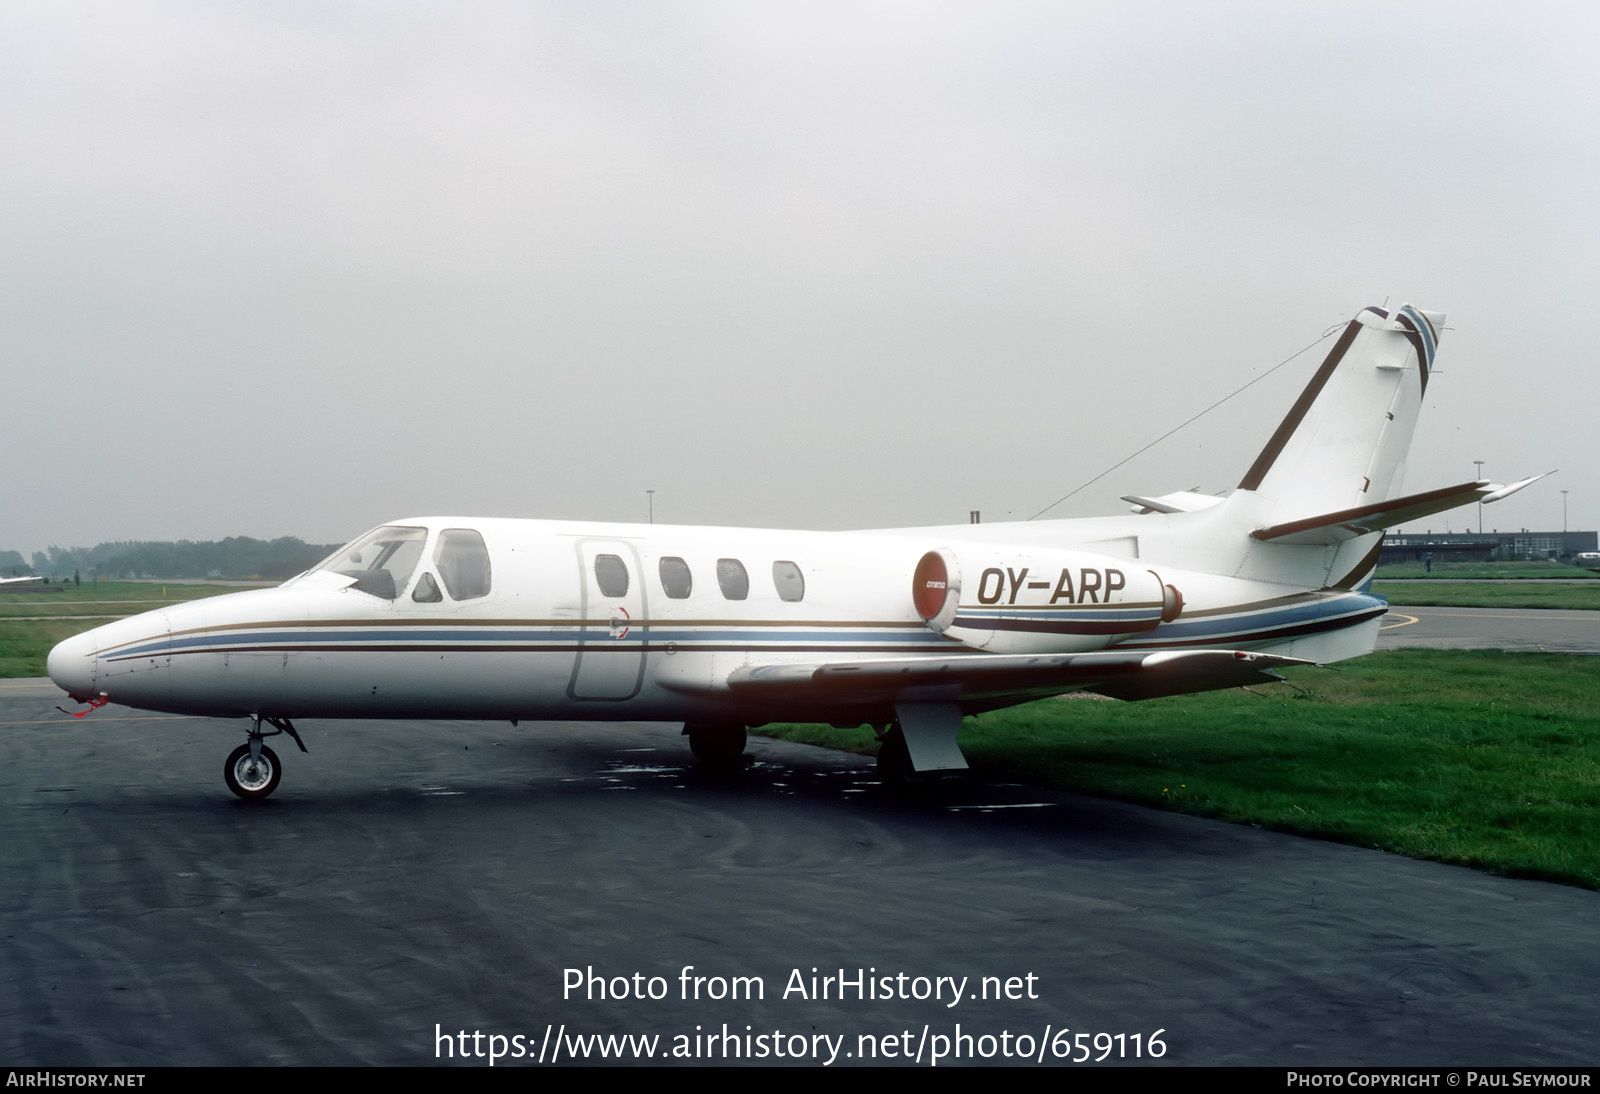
(300, 268)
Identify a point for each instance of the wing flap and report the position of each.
(983, 678)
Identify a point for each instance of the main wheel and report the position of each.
(251, 779)
(716, 746)
(894, 763)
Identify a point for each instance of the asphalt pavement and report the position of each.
(416, 890)
(1531, 630)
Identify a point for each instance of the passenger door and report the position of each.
(614, 634)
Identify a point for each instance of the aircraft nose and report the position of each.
(71, 665)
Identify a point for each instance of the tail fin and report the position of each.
(1344, 442)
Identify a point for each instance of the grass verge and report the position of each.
(1479, 758)
(31, 621)
(1463, 594)
(1479, 571)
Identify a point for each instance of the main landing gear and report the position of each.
(716, 746)
(918, 748)
(895, 769)
(252, 771)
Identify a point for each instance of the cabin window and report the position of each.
(611, 575)
(463, 563)
(790, 582)
(427, 590)
(675, 577)
(381, 561)
(731, 576)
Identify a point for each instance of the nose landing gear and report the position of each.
(252, 777)
(253, 771)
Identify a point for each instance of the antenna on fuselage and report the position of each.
(1181, 425)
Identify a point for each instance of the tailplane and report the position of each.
(1328, 483)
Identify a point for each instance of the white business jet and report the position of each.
(907, 630)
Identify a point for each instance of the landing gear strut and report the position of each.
(716, 745)
(919, 747)
(895, 769)
(253, 771)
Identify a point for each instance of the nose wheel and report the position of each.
(252, 771)
(252, 777)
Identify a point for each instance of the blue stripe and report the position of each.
(468, 637)
(1244, 626)
(1214, 629)
(1425, 329)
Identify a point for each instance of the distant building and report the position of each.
(1484, 546)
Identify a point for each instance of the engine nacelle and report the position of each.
(1032, 600)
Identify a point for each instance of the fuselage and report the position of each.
(451, 617)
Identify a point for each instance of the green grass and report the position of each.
(104, 597)
(25, 642)
(1479, 594)
(1478, 571)
(24, 646)
(1479, 758)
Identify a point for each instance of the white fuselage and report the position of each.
(598, 621)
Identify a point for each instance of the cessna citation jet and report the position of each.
(906, 630)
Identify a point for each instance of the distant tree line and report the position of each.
(234, 557)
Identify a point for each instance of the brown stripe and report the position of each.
(1297, 413)
(1274, 635)
(458, 622)
(634, 649)
(1361, 512)
(1414, 336)
(1349, 580)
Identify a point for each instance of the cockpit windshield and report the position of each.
(381, 561)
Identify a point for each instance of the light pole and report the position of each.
(652, 494)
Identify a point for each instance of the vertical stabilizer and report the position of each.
(1344, 442)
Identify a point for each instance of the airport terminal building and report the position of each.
(1484, 546)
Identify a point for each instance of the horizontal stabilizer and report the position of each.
(1506, 491)
(1350, 523)
(982, 679)
(1184, 501)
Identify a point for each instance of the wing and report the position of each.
(986, 681)
(929, 695)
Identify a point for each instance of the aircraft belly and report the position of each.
(472, 684)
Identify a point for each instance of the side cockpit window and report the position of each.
(427, 590)
(463, 563)
(381, 561)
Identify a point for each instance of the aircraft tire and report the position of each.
(252, 782)
(894, 763)
(716, 746)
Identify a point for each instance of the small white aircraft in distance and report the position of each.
(907, 630)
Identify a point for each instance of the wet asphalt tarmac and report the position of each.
(411, 882)
(1526, 630)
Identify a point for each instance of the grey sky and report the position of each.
(297, 268)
